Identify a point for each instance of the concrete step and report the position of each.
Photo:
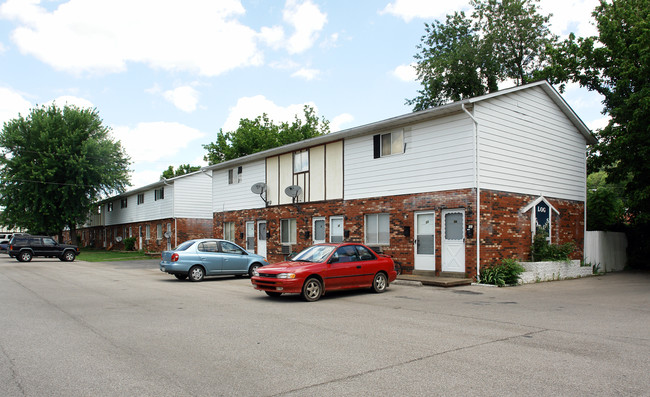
(436, 281)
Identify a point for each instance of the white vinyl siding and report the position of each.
(527, 145)
(237, 196)
(193, 196)
(438, 156)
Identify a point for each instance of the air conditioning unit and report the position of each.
(286, 249)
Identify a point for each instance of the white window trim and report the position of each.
(292, 238)
(313, 229)
(365, 229)
(336, 218)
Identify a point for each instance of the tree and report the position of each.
(181, 170)
(56, 163)
(616, 64)
(605, 203)
(466, 57)
(260, 134)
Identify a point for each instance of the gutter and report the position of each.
(478, 190)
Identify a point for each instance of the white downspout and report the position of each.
(478, 191)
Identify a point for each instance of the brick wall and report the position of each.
(505, 230)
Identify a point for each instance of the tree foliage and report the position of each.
(56, 163)
(616, 64)
(468, 56)
(260, 134)
(605, 203)
(181, 170)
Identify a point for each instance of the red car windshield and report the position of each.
(316, 253)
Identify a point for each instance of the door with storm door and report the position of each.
(453, 241)
(425, 243)
(261, 238)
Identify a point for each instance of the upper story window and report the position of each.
(140, 198)
(159, 194)
(301, 161)
(123, 203)
(234, 175)
(388, 143)
(109, 207)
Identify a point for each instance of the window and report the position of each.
(208, 246)
(336, 229)
(301, 161)
(250, 236)
(318, 225)
(159, 194)
(288, 231)
(229, 231)
(377, 229)
(388, 144)
(123, 203)
(234, 175)
(159, 232)
(140, 198)
(110, 207)
(130, 232)
(147, 232)
(230, 248)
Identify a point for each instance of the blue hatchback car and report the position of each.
(209, 257)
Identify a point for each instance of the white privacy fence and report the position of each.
(606, 250)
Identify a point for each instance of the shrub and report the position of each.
(542, 250)
(129, 243)
(505, 273)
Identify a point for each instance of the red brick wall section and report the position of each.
(505, 230)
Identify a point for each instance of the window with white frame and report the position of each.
(336, 229)
(388, 143)
(318, 226)
(147, 232)
(377, 229)
(288, 231)
(229, 231)
(235, 175)
(301, 161)
(159, 232)
(109, 207)
(140, 198)
(159, 194)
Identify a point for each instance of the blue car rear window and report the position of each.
(184, 246)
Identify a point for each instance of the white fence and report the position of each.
(550, 271)
(606, 250)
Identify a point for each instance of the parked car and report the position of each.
(209, 257)
(24, 247)
(326, 267)
(4, 241)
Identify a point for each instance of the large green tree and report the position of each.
(55, 164)
(260, 134)
(503, 40)
(616, 64)
(181, 170)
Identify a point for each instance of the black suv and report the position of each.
(24, 248)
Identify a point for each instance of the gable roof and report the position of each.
(411, 118)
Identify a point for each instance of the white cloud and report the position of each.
(307, 74)
(598, 124)
(570, 16)
(151, 142)
(423, 9)
(193, 35)
(2, 48)
(12, 104)
(307, 20)
(145, 177)
(71, 100)
(184, 98)
(406, 73)
(339, 121)
(252, 107)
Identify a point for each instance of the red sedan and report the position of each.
(326, 267)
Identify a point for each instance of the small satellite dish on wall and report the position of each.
(258, 188)
(118, 239)
(167, 234)
(293, 191)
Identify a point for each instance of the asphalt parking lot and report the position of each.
(125, 328)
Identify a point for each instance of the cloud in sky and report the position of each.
(206, 37)
(156, 141)
(252, 107)
(12, 103)
(185, 98)
(307, 74)
(423, 9)
(306, 20)
(337, 122)
(406, 73)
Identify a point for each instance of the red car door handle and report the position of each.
(359, 267)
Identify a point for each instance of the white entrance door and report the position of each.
(453, 241)
(425, 243)
(261, 238)
(140, 238)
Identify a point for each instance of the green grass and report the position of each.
(91, 255)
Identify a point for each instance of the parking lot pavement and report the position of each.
(108, 329)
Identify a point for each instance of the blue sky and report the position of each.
(166, 75)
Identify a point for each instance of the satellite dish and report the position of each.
(258, 188)
(118, 239)
(167, 234)
(293, 191)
